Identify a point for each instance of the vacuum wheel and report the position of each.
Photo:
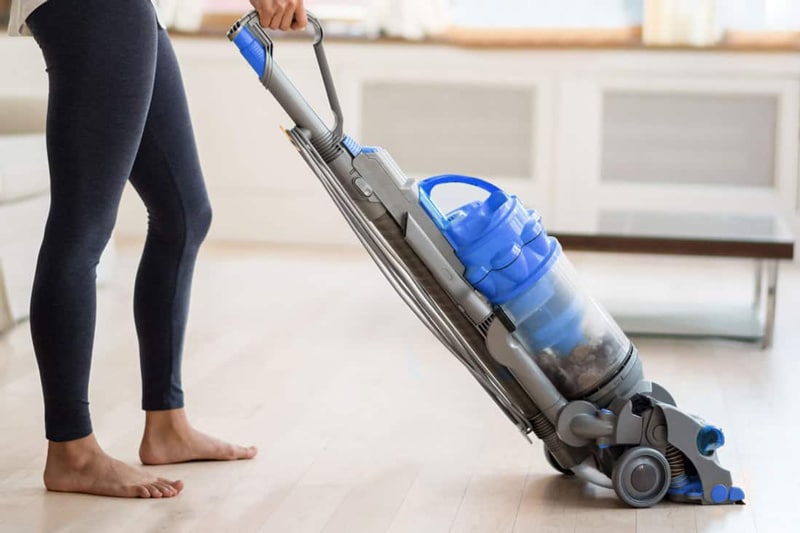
(552, 462)
(641, 477)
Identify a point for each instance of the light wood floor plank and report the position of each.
(365, 423)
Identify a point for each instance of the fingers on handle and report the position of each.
(300, 19)
(286, 20)
(286, 15)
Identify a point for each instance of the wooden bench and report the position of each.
(764, 239)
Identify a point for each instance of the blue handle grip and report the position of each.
(253, 51)
(426, 187)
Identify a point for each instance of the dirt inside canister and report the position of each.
(583, 368)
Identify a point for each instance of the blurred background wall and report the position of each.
(581, 107)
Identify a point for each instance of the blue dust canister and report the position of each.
(510, 259)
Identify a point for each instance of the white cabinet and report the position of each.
(574, 133)
(677, 140)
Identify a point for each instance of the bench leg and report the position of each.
(758, 292)
(772, 287)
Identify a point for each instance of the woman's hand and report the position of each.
(281, 14)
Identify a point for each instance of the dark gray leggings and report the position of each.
(117, 112)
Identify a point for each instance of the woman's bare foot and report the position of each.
(82, 466)
(169, 438)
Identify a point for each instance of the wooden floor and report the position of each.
(365, 423)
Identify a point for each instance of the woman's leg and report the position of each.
(168, 178)
(101, 59)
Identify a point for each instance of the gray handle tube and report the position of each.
(257, 47)
(327, 77)
(298, 109)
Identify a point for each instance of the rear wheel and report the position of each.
(641, 477)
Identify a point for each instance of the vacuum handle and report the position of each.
(256, 46)
(426, 187)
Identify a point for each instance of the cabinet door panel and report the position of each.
(700, 139)
(678, 142)
(446, 128)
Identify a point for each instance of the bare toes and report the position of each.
(154, 492)
(166, 490)
(232, 452)
(163, 488)
(141, 491)
(247, 453)
(177, 486)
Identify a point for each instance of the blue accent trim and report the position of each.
(352, 145)
(603, 446)
(690, 487)
(736, 494)
(369, 149)
(426, 187)
(253, 51)
(719, 493)
(709, 438)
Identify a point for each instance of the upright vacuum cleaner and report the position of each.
(498, 292)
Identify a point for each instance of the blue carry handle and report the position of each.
(426, 187)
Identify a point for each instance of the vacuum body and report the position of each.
(499, 293)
